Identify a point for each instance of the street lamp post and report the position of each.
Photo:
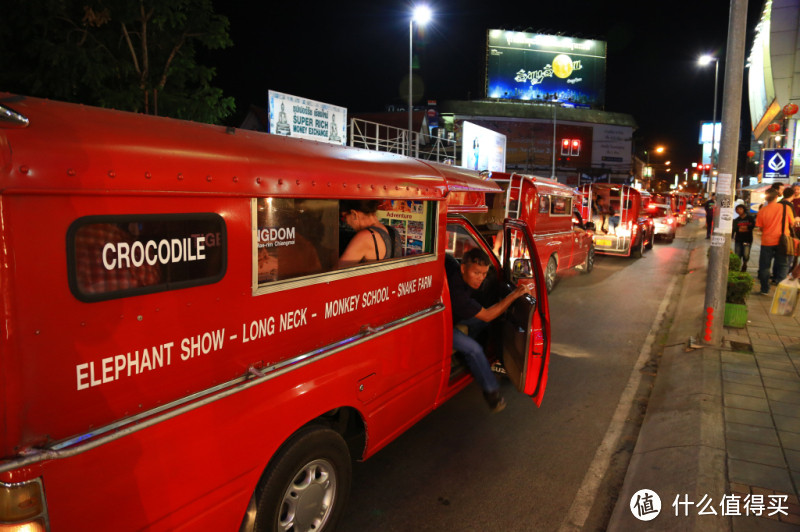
(705, 60)
(422, 14)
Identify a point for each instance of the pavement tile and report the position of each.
(745, 402)
(749, 369)
(784, 396)
(790, 440)
(793, 459)
(754, 452)
(729, 357)
(775, 349)
(749, 379)
(778, 374)
(796, 477)
(744, 389)
(780, 364)
(776, 478)
(779, 384)
(752, 434)
(787, 424)
(748, 417)
(784, 409)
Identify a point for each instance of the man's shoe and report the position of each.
(495, 401)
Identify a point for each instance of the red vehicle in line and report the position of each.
(181, 348)
(550, 210)
(629, 231)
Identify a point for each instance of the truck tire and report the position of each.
(638, 249)
(588, 266)
(550, 274)
(306, 485)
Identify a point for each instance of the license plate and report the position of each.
(602, 242)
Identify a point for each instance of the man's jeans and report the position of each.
(779, 269)
(473, 354)
(742, 250)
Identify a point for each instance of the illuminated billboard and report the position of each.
(482, 148)
(536, 67)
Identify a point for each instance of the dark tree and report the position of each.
(134, 55)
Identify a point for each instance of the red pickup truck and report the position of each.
(550, 209)
(625, 229)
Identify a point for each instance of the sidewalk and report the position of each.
(722, 429)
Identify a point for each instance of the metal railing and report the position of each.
(380, 137)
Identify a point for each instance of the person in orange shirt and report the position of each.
(769, 221)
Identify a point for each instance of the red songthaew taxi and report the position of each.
(619, 213)
(181, 347)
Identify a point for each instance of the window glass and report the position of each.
(519, 256)
(560, 205)
(300, 237)
(127, 255)
(544, 204)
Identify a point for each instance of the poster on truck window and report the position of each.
(408, 218)
(293, 116)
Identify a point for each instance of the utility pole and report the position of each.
(717, 280)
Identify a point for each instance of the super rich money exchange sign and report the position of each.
(293, 116)
(532, 66)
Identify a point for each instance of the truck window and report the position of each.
(110, 257)
(296, 238)
(560, 206)
(544, 204)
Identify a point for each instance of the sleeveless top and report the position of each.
(387, 241)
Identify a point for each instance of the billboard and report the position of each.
(706, 133)
(293, 116)
(536, 67)
(482, 148)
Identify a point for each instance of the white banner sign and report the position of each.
(293, 116)
(482, 148)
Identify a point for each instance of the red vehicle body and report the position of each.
(550, 209)
(634, 230)
(677, 204)
(180, 347)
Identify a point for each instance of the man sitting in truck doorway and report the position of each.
(463, 280)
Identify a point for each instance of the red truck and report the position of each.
(625, 229)
(181, 348)
(550, 210)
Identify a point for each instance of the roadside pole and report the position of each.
(716, 283)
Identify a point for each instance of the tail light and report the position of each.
(23, 507)
(670, 220)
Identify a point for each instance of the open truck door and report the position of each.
(526, 326)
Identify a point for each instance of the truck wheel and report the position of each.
(589, 264)
(306, 485)
(650, 241)
(638, 249)
(550, 274)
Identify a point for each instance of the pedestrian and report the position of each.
(796, 199)
(773, 219)
(463, 279)
(743, 227)
(709, 207)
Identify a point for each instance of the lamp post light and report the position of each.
(649, 169)
(705, 60)
(422, 14)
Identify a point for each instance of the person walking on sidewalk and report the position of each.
(774, 219)
(743, 235)
(709, 207)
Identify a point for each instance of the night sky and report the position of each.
(354, 54)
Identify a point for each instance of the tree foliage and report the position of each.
(135, 55)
